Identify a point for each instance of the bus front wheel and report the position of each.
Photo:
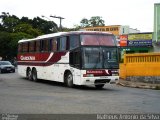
(69, 79)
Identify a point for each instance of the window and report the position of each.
(62, 43)
(32, 46)
(54, 44)
(37, 46)
(74, 58)
(74, 41)
(20, 47)
(44, 45)
(123, 30)
(110, 57)
(107, 40)
(25, 47)
(92, 57)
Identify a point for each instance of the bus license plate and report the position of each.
(104, 77)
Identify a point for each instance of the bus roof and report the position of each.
(64, 33)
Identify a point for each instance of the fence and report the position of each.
(140, 64)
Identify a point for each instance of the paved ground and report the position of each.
(18, 95)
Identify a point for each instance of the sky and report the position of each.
(135, 13)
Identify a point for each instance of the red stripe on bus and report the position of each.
(39, 59)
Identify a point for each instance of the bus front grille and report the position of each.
(102, 81)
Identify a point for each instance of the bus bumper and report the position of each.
(100, 80)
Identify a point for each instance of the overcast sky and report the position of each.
(135, 13)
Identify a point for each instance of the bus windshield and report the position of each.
(99, 58)
(98, 39)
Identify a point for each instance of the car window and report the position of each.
(5, 63)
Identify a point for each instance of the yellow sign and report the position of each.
(112, 29)
(147, 36)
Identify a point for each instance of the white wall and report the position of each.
(126, 30)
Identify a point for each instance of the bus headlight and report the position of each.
(88, 75)
(115, 74)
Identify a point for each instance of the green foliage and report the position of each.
(13, 29)
(45, 26)
(92, 22)
(9, 22)
(28, 29)
(75, 28)
(96, 21)
(84, 22)
(4, 44)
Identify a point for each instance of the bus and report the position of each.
(74, 58)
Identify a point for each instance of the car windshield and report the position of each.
(5, 63)
(100, 58)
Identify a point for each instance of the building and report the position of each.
(115, 29)
(135, 43)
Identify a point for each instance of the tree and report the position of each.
(96, 21)
(9, 22)
(4, 44)
(28, 29)
(84, 22)
(9, 43)
(92, 22)
(26, 20)
(45, 26)
(13, 29)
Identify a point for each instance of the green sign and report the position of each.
(156, 22)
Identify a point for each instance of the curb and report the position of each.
(132, 85)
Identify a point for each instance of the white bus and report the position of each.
(74, 58)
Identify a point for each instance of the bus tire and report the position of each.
(0, 71)
(99, 86)
(29, 74)
(34, 75)
(69, 80)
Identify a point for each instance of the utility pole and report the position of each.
(51, 21)
(60, 18)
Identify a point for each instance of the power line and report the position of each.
(51, 21)
(60, 18)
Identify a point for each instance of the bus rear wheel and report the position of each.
(99, 86)
(0, 71)
(29, 74)
(69, 80)
(34, 75)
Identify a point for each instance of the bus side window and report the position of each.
(25, 47)
(74, 41)
(20, 48)
(67, 43)
(54, 44)
(32, 46)
(37, 46)
(63, 43)
(44, 45)
(74, 58)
